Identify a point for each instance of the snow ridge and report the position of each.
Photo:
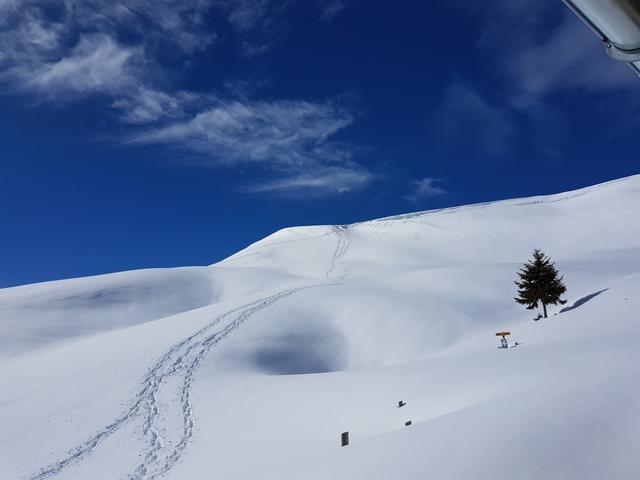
(183, 360)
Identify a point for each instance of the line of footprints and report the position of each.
(344, 437)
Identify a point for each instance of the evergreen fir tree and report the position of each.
(539, 282)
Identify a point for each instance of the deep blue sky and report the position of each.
(166, 133)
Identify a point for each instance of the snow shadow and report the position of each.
(583, 300)
(34, 316)
(297, 353)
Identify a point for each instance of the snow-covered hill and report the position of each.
(252, 367)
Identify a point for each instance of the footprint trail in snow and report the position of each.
(181, 361)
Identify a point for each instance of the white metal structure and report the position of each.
(617, 23)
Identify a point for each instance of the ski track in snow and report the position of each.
(342, 245)
(182, 360)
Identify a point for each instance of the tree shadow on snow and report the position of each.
(582, 301)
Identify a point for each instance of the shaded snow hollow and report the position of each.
(252, 367)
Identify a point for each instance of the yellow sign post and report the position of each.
(503, 340)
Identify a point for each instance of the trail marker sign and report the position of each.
(503, 340)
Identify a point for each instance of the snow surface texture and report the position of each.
(253, 367)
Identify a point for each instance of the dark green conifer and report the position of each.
(539, 282)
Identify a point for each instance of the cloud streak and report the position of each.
(330, 8)
(321, 180)
(552, 51)
(291, 132)
(570, 58)
(293, 139)
(549, 55)
(466, 117)
(149, 106)
(422, 188)
(48, 46)
(65, 50)
(97, 64)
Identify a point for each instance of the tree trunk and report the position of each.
(544, 308)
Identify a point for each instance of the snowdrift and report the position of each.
(252, 367)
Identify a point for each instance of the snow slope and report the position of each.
(252, 367)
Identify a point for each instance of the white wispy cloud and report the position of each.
(319, 180)
(549, 51)
(43, 42)
(251, 50)
(96, 64)
(28, 39)
(62, 47)
(248, 15)
(330, 8)
(422, 188)
(66, 50)
(569, 58)
(289, 132)
(466, 115)
(293, 139)
(260, 22)
(538, 51)
(146, 105)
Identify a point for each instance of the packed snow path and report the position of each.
(181, 360)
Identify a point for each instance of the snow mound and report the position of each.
(35, 316)
(252, 367)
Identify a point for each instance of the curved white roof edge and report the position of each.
(617, 23)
